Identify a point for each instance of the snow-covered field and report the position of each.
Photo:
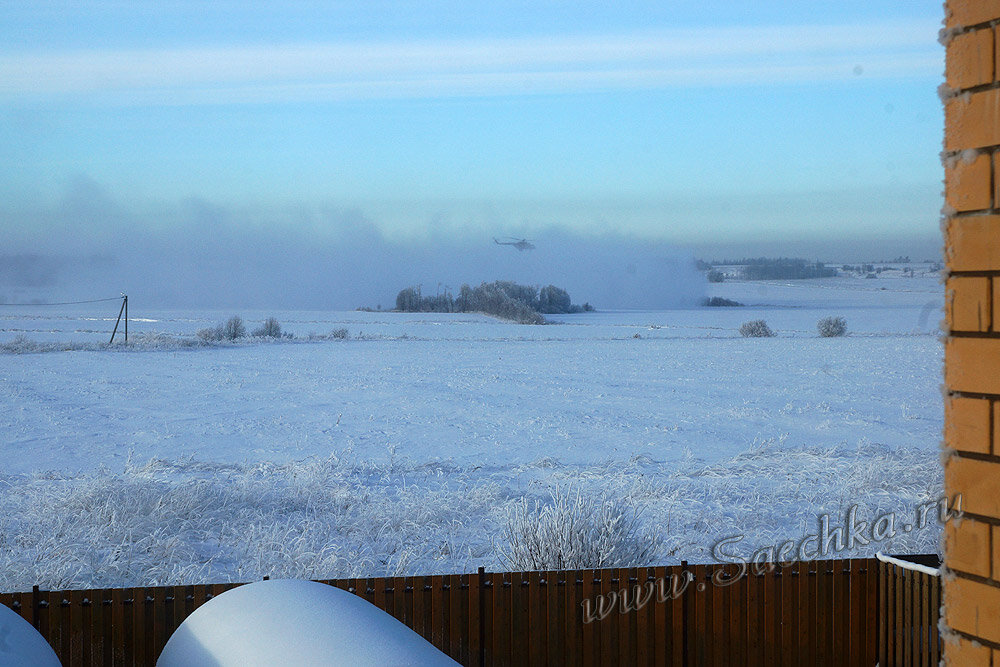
(403, 448)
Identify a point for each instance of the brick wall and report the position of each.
(972, 349)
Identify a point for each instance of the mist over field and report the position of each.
(198, 254)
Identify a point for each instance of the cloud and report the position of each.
(481, 67)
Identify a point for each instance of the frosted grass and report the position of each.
(189, 521)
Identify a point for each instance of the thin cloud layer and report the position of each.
(483, 67)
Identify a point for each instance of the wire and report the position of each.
(64, 303)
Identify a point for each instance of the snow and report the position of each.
(21, 645)
(402, 449)
(289, 622)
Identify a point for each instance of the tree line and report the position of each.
(520, 303)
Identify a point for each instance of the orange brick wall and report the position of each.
(972, 349)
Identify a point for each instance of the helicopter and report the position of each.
(520, 244)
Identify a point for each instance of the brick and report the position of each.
(967, 305)
(973, 243)
(971, 12)
(972, 121)
(970, 59)
(967, 546)
(972, 607)
(995, 542)
(995, 439)
(972, 365)
(996, 181)
(959, 652)
(967, 424)
(996, 304)
(977, 481)
(967, 185)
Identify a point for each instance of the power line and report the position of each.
(65, 303)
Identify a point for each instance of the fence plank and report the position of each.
(644, 627)
(535, 617)
(521, 634)
(754, 619)
(573, 617)
(460, 618)
(439, 613)
(609, 626)
(915, 617)
(695, 615)
(659, 617)
(886, 607)
(789, 608)
(736, 597)
(100, 627)
(504, 613)
(907, 625)
(555, 639)
(837, 629)
(718, 598)
(627, 617)
(131, 617)
(679, 650)
(873, 611)
(474, 627)
(855, 614)
(420, 607)
(935, 605)
(904, 618)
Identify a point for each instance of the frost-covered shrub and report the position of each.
(270, 329)
(831, 327)
(234, 328)
(574, 532)
(20, 344)
(340, 334)
(755, 329)
(210, 335)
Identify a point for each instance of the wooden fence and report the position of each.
(815, 613)
(910, 597)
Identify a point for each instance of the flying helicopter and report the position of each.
(520, 244)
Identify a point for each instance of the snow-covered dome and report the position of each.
(294, 622)
(21, 645)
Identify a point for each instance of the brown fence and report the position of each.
(908, 626)
(815, 613)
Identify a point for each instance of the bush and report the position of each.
(755, 329)
(270, 329)
(339, 334)
(19, 345)
(210, 335)
(231, 330)
(234, 328)
(716, 276)
(831, 327)
(575, 532)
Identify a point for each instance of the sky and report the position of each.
(159, 130)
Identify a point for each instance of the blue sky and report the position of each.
(705, 124)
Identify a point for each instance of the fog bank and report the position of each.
(194, 254)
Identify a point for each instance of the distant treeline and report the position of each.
(781, 268)
(519, 303)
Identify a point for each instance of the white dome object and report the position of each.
(21, 645)
(294, 622)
